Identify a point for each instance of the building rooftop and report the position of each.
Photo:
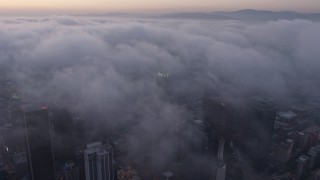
(97, 147)
(287, 114)
(303, 158)
(68, 164)
(262, 102)
(300, 108)
(20, 158)
(313, 129)
(314, 103)
(311, 152)
(168, 174)
(94, 144)
(316, 148)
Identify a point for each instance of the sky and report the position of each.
(33, 6)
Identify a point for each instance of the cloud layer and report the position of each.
(108, 69)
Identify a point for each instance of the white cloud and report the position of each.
(109, 65)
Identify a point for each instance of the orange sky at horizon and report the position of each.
(153, 6)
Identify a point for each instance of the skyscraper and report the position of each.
(221, 149)
(220, 167)
(261, 115)
(63, 131)
(220, 171)
(39, 145)
(98, 162)
(220, 115)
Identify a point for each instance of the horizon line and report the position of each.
(72, 11)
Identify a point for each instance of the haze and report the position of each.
(18, 6)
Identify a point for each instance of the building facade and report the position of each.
(98, 160)
(39, 145)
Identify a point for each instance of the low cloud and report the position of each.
(108, 69)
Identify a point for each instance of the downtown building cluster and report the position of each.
(255, 139)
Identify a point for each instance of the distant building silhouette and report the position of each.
(220, 168)
(220, 171)
(261, 115)
(39, 145)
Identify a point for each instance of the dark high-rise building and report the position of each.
(220, 116)
(249, 127)
(220, 167)
(261, 115)
(64, 140)
(39, 145)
